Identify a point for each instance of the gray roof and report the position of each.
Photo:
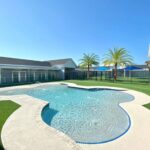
(25, 62)
(60, 61)
(141, 66)
(16, 61)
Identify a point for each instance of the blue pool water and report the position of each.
(87, 116)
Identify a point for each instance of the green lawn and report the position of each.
(138, 86)
(6, 109)
(147, 106)
(126, 79)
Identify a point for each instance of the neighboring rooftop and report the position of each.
(141, 66)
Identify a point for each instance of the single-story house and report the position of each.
(14, 70)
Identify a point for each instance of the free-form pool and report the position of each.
(87, 116)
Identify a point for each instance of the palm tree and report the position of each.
(88, 61)
(117, 57)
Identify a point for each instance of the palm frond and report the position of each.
(119, 56)
(89, 60)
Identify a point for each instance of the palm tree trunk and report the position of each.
(88, 72)
(115, 72)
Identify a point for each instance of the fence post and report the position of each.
(101, 75)
(96, 75)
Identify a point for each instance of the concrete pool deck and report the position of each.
(25, 130)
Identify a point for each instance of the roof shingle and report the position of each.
(59, 61)
(16, 61)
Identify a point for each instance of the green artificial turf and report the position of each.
(138, 86)
(147, 106)
(6, 109)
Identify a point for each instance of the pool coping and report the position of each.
(62, 139)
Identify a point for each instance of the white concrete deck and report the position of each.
(25, 130)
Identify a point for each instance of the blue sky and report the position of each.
(53, 29)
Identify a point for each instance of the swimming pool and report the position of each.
(87, 116)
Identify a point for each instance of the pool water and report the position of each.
(87, 116)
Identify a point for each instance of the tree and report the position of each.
(117, 57)
(88, 61)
